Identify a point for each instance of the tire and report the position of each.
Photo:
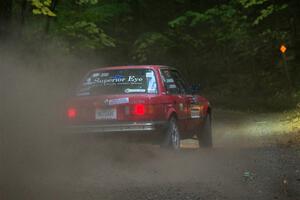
(205, 135)
(172, 135)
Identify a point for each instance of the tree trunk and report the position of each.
(23, 11)
(5, 17)
(52, 8)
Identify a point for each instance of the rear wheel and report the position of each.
(172, 136)
(205, 135)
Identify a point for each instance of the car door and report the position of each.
(176, 91)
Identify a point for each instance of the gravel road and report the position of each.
(252, 159)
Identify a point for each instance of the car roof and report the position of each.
(133, 67)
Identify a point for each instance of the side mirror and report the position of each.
(195, 89)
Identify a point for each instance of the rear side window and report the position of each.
(123, 81)
(173, 82)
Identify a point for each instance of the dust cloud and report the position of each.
(34, 83)
(40, 161)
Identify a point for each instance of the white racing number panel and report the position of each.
(195, 111)
(106, 114)
(195, 114)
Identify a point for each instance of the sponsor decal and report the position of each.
(117, 79)
(150, 74)
(170, 80)
(172, 86)
(112, 102)
(134, 79)
(152, 88)
(104, 74)
(195, 114)
(106, 101)
(96, 75)
(134, 90)
(196, 111)
(83, 94)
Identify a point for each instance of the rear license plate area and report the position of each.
(106, 114)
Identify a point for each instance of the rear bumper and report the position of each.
(119, 127)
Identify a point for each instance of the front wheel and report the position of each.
(205, 135)
(172, 136)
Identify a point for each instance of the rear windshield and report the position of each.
(123, 81)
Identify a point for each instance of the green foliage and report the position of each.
(269, 8)
(220, 27)
(242, 53)
(104, 13)
(42, 7)
(226, 26)
(180, 1)
(233, 23)
(264, 13)
(88, 35)
(224, 13)
(81, 2)
(151, 45)
(83, 23)
(249, 3)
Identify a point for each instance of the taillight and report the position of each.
(139, 109)
(72, 113)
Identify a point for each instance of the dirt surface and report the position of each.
(244, 164)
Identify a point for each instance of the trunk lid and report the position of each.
(111, 108)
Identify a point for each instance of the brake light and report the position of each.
(139, 109)
(72, 113)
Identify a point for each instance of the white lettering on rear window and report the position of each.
(135, 79)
